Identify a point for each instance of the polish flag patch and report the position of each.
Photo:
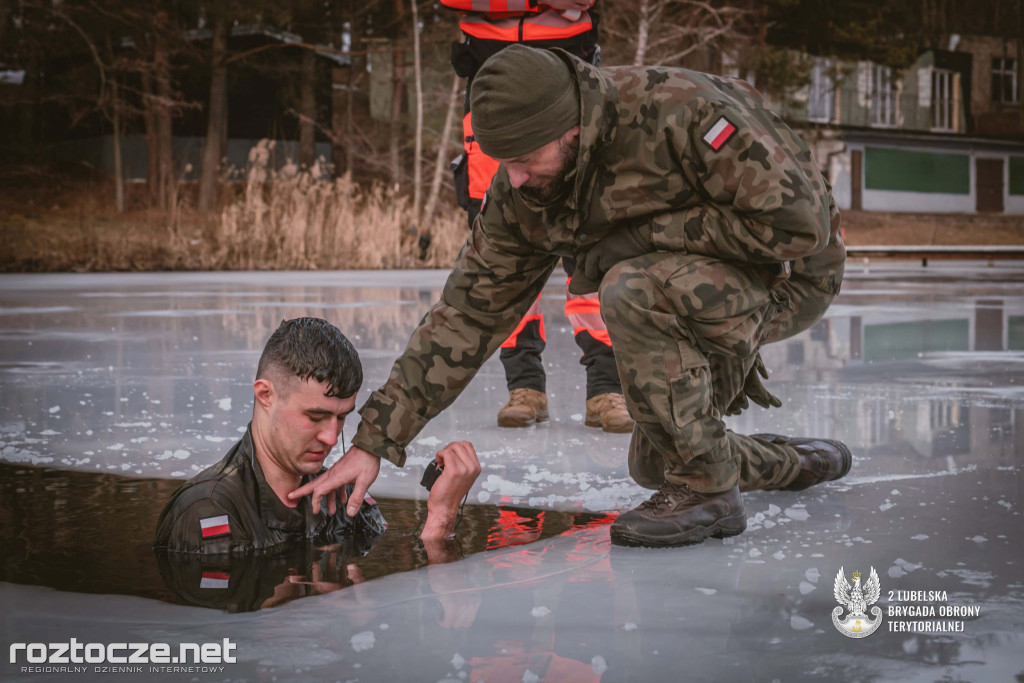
(215, 526)
(719, 133)
(214, 580)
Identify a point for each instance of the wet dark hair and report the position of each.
(312, 348)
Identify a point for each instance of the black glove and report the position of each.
(620, 244)
(754, 390)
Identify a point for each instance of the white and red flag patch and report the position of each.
(215, 580)
(215, 526)
(719, 133)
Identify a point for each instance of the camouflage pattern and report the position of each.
(686, 329)
(721, 221)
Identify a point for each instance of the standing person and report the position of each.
(488, 27)
(701, 219)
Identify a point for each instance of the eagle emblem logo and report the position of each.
(856, 599)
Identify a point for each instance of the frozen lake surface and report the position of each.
(919, 370)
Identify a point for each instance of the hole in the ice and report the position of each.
(92, 533)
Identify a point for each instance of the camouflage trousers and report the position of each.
(686, 330)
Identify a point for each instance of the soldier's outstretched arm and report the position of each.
(496, 277)
(357, 467)
(766, 200)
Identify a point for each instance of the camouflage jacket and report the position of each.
(229, 508)
(701, 158)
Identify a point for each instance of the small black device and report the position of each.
(431, 474)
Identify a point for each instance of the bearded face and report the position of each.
(544, 188)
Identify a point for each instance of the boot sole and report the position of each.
(733, 525)
(611, 430)
(505, 422)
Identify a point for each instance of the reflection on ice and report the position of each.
(919, 370)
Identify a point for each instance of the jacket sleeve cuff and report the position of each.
(387, 428)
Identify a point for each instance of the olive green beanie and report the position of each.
(522, 98)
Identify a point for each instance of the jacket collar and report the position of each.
(273, 513)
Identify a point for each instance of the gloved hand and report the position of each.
(754, 390)
(622, 243)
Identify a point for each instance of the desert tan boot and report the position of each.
(524, 407)
(608, 411)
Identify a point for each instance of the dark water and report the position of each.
(92, 533)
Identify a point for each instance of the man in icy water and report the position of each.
(305, 387)
(699, 217)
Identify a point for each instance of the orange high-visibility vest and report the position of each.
(516, 21)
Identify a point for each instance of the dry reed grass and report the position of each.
(292, 220)
(276, 220)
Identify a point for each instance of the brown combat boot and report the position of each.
(524, 407)
(609, 412)
(676, 515)
(821, 460)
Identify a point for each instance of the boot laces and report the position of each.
(617, 402)
(517, 397)
(663, 497)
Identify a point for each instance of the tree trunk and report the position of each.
(152, 140)
(115, 107)
(441, 162)
(307, 110)
(417, 171)
(165, 133)
(398, 81)
(643, 32)
(215, 145)
(350, 95)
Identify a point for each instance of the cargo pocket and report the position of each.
(697, 426)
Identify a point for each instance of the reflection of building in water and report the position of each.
(984, 325)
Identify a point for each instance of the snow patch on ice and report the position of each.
(429, 441)
(598, 664)
(978, 539)
(458, 661)
(797, 514)
(806, 588)
(540, 611)
(920, 537)
(503, 487)
(167, 455)
(798, 623)
(363, 641)
(224, 403)
(54, 409)
(629, 626)
(706, 591)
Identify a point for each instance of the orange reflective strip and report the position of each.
(532, 314)
(600, 335)
(480, 166)
(588, 305)
(550, 25)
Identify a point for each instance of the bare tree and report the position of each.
(666, 32)
(417, 169)
(441, 161)
(307, 109)
(216, 142)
